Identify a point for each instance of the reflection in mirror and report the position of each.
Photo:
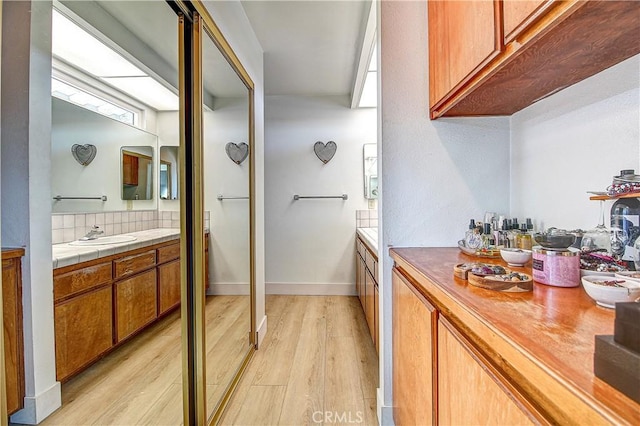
(137, 173)
(72, 124)
(169, 173)
(228, 303)
(370, 167)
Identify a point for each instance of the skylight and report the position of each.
(369, 95)
(77, 47)
(69, 93)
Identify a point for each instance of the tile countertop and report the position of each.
(370, 238)
(65, 254)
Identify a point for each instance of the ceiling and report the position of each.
(310, 47)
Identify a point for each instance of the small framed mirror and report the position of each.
(370, 167)
(137, 172)
(169, 173)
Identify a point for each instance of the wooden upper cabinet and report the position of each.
(462, 39)
(129, 169)
(484, 64)
(518, 15)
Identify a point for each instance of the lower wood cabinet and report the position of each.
(367, 287)
(468, 392)
(12, 323)
(83, 330)
(136, 303)
(101, 303)
(168, 286)
(413, 356)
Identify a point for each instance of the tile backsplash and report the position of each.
(69, 227)
(366, 218)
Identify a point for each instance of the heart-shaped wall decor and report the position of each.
(237, 152)
(84, 154)
(325, 152)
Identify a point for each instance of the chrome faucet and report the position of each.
(93, 234)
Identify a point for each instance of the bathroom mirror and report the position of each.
(137, 172)
(72, 124)
(370, 167)
(169, 173)
(228, 194)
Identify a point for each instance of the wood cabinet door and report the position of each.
(168, 286)
(136, 303)
(129, 169)
(84, 330)
(468, 392)
(463, 37)
(413, 362)
(518, 15)
(362, 272)
(13, 345)
(370, 304)
(376, 317)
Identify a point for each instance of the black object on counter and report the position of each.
(627, 326)
(618, 366)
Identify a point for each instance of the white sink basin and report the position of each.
(113, 239)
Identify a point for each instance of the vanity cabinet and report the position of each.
(367, 286)
(464, 355)
(414, 321)
(469, 392)
(99, 304)
(498, 57)
(136, 303)
(12, 317)
(83, 330)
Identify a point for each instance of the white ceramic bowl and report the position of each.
(608, 295)
(515, 256)
(586, 272)
(628, 275)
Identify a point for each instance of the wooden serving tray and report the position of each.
(461, 270)
(496, 283)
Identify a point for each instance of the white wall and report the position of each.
(310, 243)
(575, 141)
(76, 125)
(26, 194)
(229, 249)
(435, 174)
(234, 24)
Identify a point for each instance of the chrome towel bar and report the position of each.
(297, 197)
(221, 197)
(60, 197)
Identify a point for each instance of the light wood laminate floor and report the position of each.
(317, 365)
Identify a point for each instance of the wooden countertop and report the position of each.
(11, 253)
(546, 335)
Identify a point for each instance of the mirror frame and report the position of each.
(127, 150)
(194, 21)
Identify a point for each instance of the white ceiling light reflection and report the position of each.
(79, 48)
(147, 90)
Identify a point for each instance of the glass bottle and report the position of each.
(625, 220)
(472, 238)
(523, 239)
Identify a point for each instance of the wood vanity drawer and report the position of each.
(168, 253)
(372, 264)
(74, 282)
(132, 264)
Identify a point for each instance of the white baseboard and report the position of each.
(385, 412)
(228, 289)
(262, 330)
(37, 408)
(312, 289)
